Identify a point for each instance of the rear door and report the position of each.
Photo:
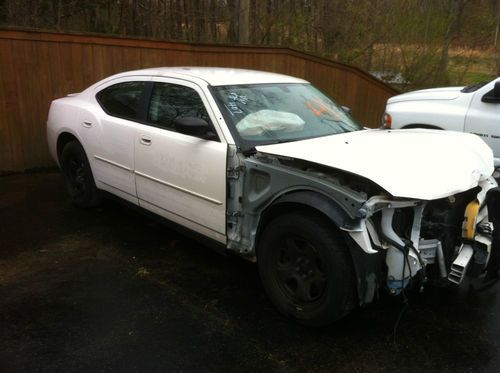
(110, 130)
(179, 176)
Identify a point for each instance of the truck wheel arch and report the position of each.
(424, 126)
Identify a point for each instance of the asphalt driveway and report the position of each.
(112, 290)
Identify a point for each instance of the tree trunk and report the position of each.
(243, 24)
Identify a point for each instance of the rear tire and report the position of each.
(78, 177)
(306, 269)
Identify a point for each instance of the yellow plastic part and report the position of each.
(471, 212)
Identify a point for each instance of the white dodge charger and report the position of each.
(266, 166)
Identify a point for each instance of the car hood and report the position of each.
(448, 93)
(420, 164)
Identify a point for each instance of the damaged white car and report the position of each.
(266, 166)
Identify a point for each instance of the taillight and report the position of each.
(387, 121)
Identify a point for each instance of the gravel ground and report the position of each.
(110, 289)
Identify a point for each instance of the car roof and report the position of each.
(217, 76)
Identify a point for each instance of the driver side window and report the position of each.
(172, 101)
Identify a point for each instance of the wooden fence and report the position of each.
(36, 67)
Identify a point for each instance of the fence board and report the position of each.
(37, 67)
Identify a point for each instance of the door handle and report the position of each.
(145, 140)
(87, 124)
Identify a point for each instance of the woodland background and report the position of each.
(411, 43)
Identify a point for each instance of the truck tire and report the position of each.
(306, 269)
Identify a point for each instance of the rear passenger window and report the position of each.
(122, 100)
(171, 101)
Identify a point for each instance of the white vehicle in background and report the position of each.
(267, 167)
(474, 109)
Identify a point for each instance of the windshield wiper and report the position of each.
(472, 87)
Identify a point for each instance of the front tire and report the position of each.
(78, 178)
(306, 269)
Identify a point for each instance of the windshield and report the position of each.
(261, 114)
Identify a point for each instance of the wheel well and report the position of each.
(425, 126)
(307, 201)
(276, 210)
(62, 140)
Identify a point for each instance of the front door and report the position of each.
(179, 176)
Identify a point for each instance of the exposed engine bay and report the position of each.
(440, 240)
(398, 242)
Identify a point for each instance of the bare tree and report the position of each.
(429, 41)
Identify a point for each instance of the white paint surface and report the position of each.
(421, 164)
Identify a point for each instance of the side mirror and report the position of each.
(496, 90)
(493, 96)
(191, 126)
